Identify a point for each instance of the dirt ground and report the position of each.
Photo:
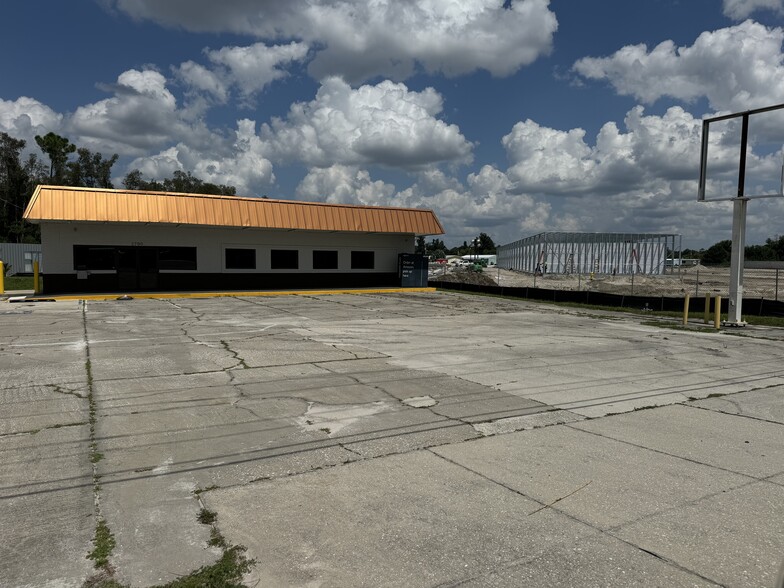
(696, 280)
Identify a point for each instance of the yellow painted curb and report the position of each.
(149, 295)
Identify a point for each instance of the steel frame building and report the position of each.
(584, 253)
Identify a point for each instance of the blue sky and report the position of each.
(508, 118)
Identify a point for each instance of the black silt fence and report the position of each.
(751, 306)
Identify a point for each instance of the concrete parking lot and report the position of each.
(428, 439)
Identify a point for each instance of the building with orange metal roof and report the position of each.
(97, 240)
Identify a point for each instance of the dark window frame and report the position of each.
(284, 259)
(363, 260)
(187, 260)
(86, 257)
(328, 259)
(239, 258)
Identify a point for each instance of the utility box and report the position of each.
(412, 270)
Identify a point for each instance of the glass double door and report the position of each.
(137, 268)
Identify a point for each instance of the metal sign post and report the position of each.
(735, 303)
(739, 205)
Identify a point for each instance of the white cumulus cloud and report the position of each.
(652, 148)
(203, 80)
(736, 68)
(142, 114)
(385, 124)
(740, 9)
(254, 67)
(359, 40)
(240, 163)
(24, 118)
(642, 178)
(483, 203)
(341, 184)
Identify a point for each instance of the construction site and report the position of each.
(586, 253)
(697, 280)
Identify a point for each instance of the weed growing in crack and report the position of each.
(103, 545)
(216, 539)
(103, 541)
(199, 491)
(207, 517)
(226, 572)
(103, 579)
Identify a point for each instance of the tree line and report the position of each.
(719, 253)
(69, 165)
(480, 245)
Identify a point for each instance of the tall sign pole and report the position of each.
(735, 303)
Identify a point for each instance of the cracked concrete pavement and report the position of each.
(401, 439)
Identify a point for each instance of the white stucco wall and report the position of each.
(58, 240)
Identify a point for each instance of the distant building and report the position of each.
(490, 259)
(18, 258)
(119, 240)
(584, 253)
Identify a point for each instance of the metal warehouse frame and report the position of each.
(583, 253)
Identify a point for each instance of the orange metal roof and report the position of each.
(63, 203)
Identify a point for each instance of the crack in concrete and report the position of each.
(197, 315)
(45, 428)
(236, 404)
(431, 409)
(249, 301)
(336, 348)
(562, 512)
(234, 355)
(347, 448)
(356, 380)
(740, 412)
(60, 390)
(690, 460)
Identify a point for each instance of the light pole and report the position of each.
(476, 249)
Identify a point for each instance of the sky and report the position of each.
(504, 117)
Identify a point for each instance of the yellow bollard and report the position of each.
(717, 315)
(36, 278)
(706, 319)
(686, 309)
(2, 278)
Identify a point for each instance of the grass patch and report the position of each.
(19, 282)
(103, 545)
